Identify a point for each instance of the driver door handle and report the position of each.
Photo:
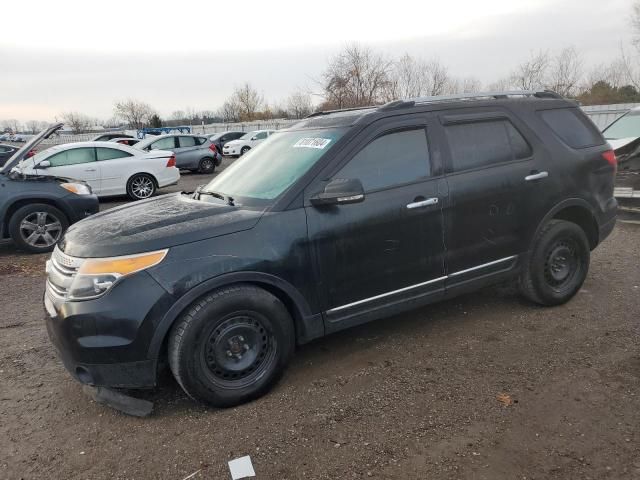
(423, 203)
(536, 176)
(89, 169)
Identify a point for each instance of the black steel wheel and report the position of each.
(231, 345)
(558, 264)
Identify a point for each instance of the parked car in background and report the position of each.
(125, 140)
(7, 151)
(345, 218)
(193, 152)
(222, 138)
(109, 168)
(105, 137)
(35, 210)
(624, 136)
(236, 148)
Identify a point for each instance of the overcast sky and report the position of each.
(84, 55)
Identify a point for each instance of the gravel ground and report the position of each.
(411, 397)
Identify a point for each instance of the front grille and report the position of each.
(61, 270)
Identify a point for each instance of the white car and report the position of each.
(238, 147)
(109, 168)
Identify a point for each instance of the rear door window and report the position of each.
(484, 143)
(392, 159)
(572, 127)
(186, 142)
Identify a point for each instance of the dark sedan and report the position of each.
(219, 139)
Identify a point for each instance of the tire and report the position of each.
(141, 186)
(558, 264)
(231, 345)
(244, 150)
(37, 227)
(206, 165)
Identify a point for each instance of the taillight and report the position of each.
(610, 156)
(172, 161)
(213, 148)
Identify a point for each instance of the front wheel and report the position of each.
(244, 150)
(231, 346)
(37, 227)
(558, 264)
(206, 165)
(141, 186)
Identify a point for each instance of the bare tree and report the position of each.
(178, 115)
(78, 122)
(249, 101)
(356, 77)
(298, 105)
(33, 126)
(133, 112)
(531, 75)
(565, 72)
(11, 124)
(230, 110)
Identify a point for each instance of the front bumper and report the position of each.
(231, 151)
(105, 342)
(78, 207)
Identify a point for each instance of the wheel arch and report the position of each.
(143, 172)
(307, 326)
(577, 211)
(18, 203)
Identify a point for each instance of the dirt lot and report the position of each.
(411, 397)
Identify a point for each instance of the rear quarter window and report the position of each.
(572, 127)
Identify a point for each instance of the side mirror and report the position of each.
(254, 138)
(44, 164)
(340, 191)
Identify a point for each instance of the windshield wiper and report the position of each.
(226, 198)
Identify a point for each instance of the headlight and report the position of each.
(97, 275)
(77, 188)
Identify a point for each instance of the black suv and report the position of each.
(346, 217)
(35, 210)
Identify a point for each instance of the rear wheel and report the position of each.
(558, 264)
(244, 150)
(141, 186)
(207, 165)
(231, 346)
(37, 227)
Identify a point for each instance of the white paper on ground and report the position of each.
(241, 468)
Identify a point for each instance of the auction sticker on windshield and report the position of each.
(312, 143)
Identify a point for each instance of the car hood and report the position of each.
(154, 224)
(625, 148)
(232, 143)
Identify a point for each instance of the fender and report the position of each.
(569, 202)
(307, 325)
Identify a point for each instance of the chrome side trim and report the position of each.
(505, 259)
(382, 295)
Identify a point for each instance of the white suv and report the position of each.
(236, 148)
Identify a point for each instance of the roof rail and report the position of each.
(329, 112)
(496, 95)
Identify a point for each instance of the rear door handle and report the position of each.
(90, 170)
(423, 203)
(536, 176)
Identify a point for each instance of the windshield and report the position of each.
(625, 127)
(269, 169)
